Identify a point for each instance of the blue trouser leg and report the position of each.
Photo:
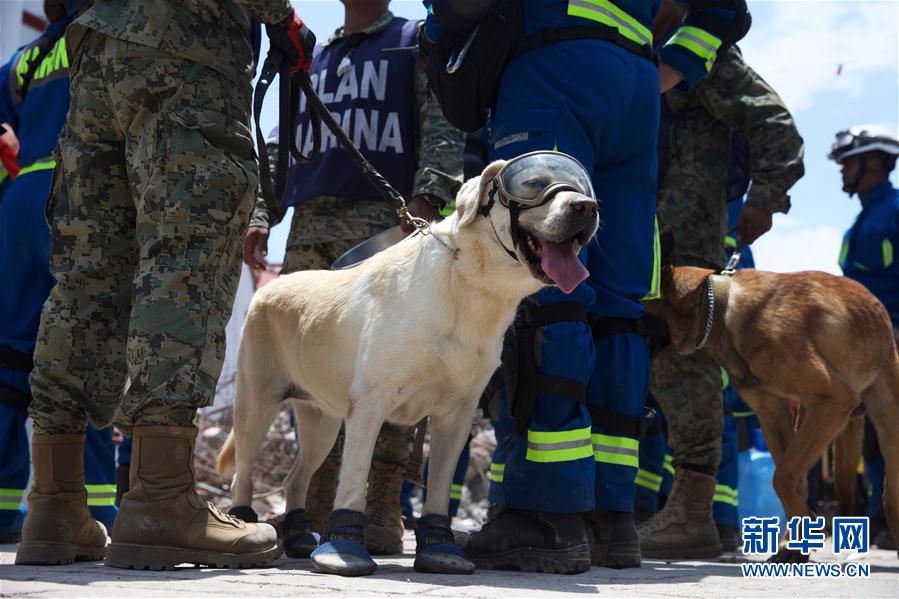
(503, 429)
(459, 480)
(550, 468)
(874, 473)
(607, 121)
(724, 502)
(651, 471)
(618, 386)
(668, 470)
(99, 474)
(15, 463)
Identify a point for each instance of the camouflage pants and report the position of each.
(688, 389)
(393, 441)
(148, 208)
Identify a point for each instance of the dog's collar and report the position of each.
(717, 292)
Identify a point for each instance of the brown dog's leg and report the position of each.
(847, 453)
(882, 405)
(823, 417)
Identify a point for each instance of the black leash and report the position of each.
(288, 101)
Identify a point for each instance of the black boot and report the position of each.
(615, 541)
(531, 542)
(729, 537)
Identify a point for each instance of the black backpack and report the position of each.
(464, 68)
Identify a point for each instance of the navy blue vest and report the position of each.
(372, 96)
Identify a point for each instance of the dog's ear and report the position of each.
(474, 193)
(668, 247)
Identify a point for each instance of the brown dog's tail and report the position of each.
(225, 460)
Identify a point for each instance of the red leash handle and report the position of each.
(9, 161)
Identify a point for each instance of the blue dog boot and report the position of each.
(342, 551)
(299, 540)
(435, 549)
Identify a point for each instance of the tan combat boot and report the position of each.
(684, 528)
(59, 529)
(384, 531)
(162, 522)
(320, 497)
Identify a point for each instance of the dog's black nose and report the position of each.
(585, 205)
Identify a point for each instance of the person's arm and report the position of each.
(269, 12)
(262, 219)
(438, 148)
(738, 97)
(710, 28)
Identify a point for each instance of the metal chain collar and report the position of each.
(711, 313)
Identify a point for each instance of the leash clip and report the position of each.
(731, 267)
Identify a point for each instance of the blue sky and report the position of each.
(798, 47)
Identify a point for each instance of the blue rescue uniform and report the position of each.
(34, 100)
(598, 102)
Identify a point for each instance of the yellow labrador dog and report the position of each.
(414, 331)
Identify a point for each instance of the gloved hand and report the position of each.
(295, 40)
(752, 223)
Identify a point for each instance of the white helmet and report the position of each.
(861, 139)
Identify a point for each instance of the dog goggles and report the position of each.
(534, 178)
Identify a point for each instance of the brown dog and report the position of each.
(812, 338)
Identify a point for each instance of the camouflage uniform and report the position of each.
(148, 208)
(326, 226)
(692, 201)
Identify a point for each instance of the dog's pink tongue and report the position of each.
(560, 264)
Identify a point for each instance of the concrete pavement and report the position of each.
(395, 577)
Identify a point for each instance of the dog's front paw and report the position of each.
(342, 551)
(436, 551)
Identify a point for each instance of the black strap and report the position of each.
(602, 32)
(540, 316)
(615, 423)
(16, 360)
(15, 399)
(645, 326)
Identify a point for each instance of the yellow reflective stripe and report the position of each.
(100, 494)
(742, 414)
(654, 291)
(607, 13)
(725, 380)
(648, 480)
(11, 499)
(44, 164)
(844, 250)
(456, 491)
(887, 249)
(725, 494)
(622, 451)
(3, 173)
(699, 42)
(496, 472)
(558, 446)
(669, 464)
(730, 241)
(701, 35)
(558, 436)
